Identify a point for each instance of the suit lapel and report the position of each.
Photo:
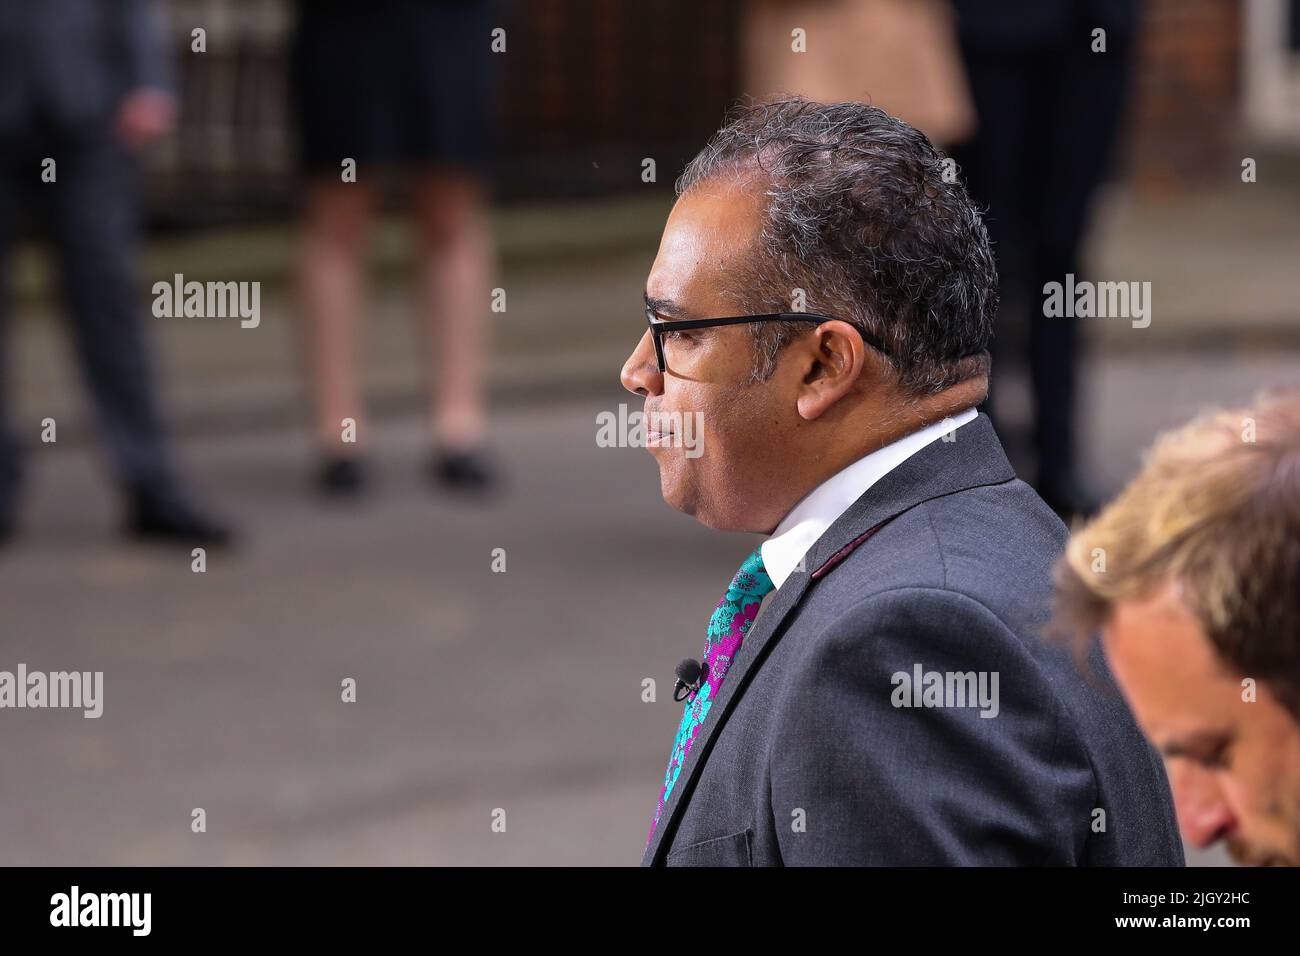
(975, 458)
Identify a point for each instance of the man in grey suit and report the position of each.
(822, 304)
(83, 84)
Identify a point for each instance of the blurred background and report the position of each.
(520, 690)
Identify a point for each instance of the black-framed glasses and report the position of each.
(659, 328)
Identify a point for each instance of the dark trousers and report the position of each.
(1048, 118)
(90, 215)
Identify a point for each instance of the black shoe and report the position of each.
(341, 477)
(168, 517)
(7, 527)
(467, 471)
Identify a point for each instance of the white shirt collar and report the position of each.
(809, 519)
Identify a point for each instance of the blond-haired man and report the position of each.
(1192, 576)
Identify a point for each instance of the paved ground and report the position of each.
(476, 690)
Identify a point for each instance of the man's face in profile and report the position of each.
(1234, 764)
(707, 235)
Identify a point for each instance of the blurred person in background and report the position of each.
(1192, 576)
(396, 84)
(85, 83)
(899, 55)
(1048, 109)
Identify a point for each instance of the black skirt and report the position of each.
(394, 82)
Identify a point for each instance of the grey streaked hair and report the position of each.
(860, 216)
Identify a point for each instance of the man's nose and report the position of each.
(1204, 815)
(640, 373)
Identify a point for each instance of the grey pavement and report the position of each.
(476, 690)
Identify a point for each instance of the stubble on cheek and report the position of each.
(731, 427)
(733, 467)
(674, 482)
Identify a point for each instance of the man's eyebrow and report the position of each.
(1197, 744)
(667, 308)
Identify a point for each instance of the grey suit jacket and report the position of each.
(808, 756)
(69, 62)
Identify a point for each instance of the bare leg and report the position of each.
(331, 290)
(455, 270)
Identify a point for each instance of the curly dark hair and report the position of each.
(869, 220)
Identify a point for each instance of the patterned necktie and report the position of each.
(727, 629)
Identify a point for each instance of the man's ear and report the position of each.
(833, 359)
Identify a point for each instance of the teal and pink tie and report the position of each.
(727, 629)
